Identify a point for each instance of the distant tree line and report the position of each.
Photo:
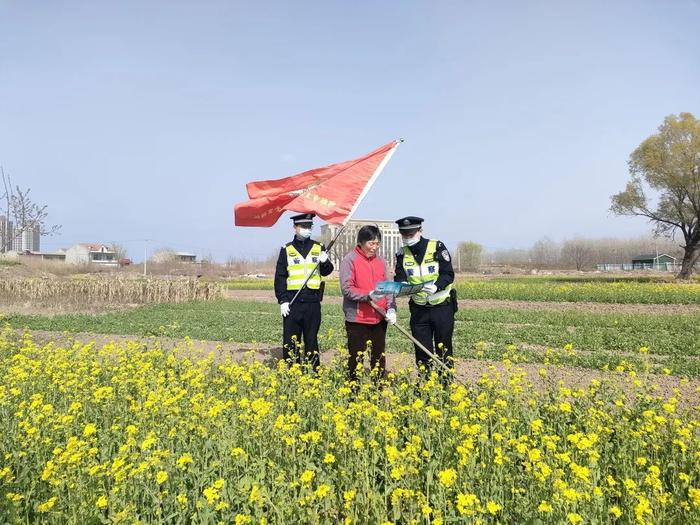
(582, 253)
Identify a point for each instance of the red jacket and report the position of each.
(359, 275)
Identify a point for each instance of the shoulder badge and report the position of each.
(445, 255)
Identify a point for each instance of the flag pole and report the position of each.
(416, 342)
(369, 184)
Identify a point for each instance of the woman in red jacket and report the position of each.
(360, 272)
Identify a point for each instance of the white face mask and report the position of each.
(304, 233)
(410, 241)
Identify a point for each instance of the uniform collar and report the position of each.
(301, 242)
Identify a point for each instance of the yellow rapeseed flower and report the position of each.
(466, 503)
(255, 495)
(448, 477)
(544, 507)
(307, 476)
(322, 491)
(184, 460)
(574, 518)
(47, 505)
(493, 507)
(694, 496)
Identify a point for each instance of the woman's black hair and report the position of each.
(368, 233)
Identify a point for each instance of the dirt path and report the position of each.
(468, 371)
(268, 296)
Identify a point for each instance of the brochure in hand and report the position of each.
(397, 289)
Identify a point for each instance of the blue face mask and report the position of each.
(304, 233)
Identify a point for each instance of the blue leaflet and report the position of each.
(397, 289)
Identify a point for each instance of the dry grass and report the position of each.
(107, 290)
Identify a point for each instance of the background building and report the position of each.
(391, 239)
(28, 240)
(88, 253)
(654, 262)
(662, 262)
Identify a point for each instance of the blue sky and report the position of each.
(144, 120)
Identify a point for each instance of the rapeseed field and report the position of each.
(125, 433)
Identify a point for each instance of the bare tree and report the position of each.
(545, 253)
(119, 250)
(469, 255)
(577, 252)
(24, 214)
(164, 255)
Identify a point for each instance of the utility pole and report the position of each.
(145, 255)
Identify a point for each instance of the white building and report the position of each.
(28, 240)
(91, 253)
(391, 239)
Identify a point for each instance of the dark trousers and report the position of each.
(304, 319)
(433, 323)
(360, 337)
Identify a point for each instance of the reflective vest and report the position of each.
(423, 273)
(299, 267)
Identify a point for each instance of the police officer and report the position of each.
(298, 259)
(427, 261)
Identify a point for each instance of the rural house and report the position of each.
(186, 257)
(89, 253)
(651, 261)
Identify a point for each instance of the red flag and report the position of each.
(332, 192)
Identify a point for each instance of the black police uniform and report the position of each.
(304, 318)
(430, 323)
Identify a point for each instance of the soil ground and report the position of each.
(603, 308)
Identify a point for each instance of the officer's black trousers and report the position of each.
(433, 324)
(304, 319)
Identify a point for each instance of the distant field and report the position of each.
(596, 289)
(598, 338)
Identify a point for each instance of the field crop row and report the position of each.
(546, 289)
(108, 290)
(126, 434)
(673, 341)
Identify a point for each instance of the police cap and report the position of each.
(409, 223)
(303, 218)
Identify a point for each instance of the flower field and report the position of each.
(649, 290)
(600, 338)
(124, 433)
